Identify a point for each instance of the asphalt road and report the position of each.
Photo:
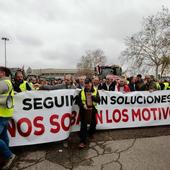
(109, 150)
(58, 156)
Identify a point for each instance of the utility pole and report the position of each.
(5, 39)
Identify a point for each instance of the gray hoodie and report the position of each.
(3, 85)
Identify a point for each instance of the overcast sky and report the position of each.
(56, 33)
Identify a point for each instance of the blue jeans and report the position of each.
(4, 140)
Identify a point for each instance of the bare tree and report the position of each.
(165, 64)
(90, 61)
(97, 57)
(151, 45)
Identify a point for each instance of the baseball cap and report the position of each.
(87, 80)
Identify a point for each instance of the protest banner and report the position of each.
(48, 116)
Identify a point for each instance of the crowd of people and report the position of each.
(109, 83)
(87, 98)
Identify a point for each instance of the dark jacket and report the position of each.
(100, 86)
(140, 86)
(111, 86)
(132, 86)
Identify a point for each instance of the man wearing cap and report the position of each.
(87, 101)
(6, 112)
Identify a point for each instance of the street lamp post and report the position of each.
(5, 39)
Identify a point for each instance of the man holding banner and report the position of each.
(87, 101)
(6, 112)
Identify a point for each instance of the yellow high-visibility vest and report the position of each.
(5, 111)
(83, 97)
(23, 86)
(31, 85)
(158, 86)
(166, 85)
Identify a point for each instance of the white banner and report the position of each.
(48, 116)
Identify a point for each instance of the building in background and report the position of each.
(53, 73)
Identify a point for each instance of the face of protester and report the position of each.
(133, 80)
(100, 81)
(59, 81)
(138, 78)
(147, 79)
(81, 80)
(19, 77)
(111, 80)
(122, 82)
(95, 81)
(117, 81)
(88, 86)
(104, 81)
(33, 80)
(107, 81)
(41, 82)
(2, 74)
(68, 80)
